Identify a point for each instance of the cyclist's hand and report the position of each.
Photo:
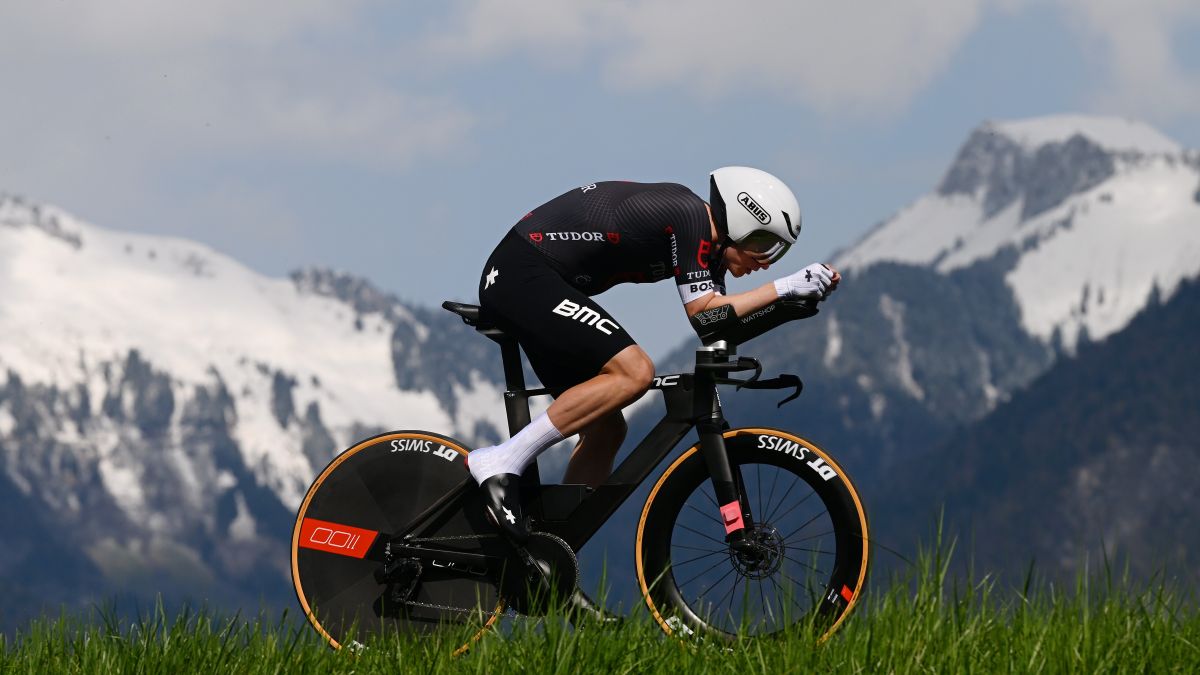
(815, 281)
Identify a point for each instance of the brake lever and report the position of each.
(757, 371)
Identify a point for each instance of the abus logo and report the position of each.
(755, 210)
(346, 540)
(585, 314)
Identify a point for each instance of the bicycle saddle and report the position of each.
(469, 313)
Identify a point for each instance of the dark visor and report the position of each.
(764, 245)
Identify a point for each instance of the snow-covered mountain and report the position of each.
(1043, 232)
(161, 401)
(1099, 210)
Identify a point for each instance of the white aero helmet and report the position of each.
(754, 210)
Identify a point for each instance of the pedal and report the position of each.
(582, 611)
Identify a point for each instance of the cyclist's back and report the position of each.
(607, 233)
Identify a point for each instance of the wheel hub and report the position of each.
(761, 555)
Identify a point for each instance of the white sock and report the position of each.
(515, 454)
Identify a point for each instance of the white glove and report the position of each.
(813, 281)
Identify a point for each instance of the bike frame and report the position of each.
(576, 512)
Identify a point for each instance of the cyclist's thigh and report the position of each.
(567, 335)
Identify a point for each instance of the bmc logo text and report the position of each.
(336, 538)
(662, 381)
(586, 315)
(755, 210)
(798, 451)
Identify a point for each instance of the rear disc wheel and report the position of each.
(340, 540)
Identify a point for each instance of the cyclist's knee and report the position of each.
(635, 368)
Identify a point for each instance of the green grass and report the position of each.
(924, 624)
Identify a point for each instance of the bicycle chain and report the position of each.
(447, 608)
(464, 537)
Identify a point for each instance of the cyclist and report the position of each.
(539, 282)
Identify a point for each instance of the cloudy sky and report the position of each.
(400, 140)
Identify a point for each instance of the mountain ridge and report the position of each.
(167, 407)
(1096, 458)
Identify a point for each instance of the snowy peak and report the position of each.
(1044, 160)
(1113, 134)
(999, 171)
(15, 212)
(1090, 215)
(1008, 174)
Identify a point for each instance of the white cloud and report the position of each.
(141, 26)
(479, 29)
(852, 56)
(128, 84)
(858, 57)
(855, 55)
(1137, 43)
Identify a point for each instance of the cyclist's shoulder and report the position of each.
(663, 188)
(658, 196)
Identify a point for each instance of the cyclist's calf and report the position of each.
(592, 460)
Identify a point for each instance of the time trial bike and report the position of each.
(749, 532)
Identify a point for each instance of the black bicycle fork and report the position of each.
(734, 509)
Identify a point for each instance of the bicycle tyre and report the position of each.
(681, 529)
(373, 489)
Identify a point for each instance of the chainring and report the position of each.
(541, 576)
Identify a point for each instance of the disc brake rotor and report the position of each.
(763, 556)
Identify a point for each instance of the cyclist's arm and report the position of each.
(743, 303)
(749, 301)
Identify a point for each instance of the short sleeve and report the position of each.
(690, 248)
